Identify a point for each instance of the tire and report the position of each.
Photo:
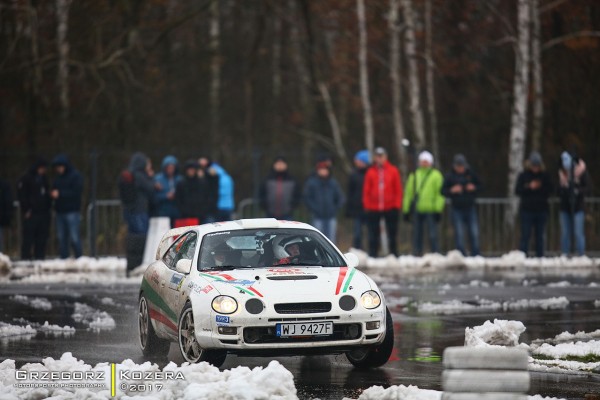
(188, 344)
(150, 343)
(376, 356)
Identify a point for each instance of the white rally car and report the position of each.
(260, 287)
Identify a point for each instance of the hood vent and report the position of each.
(291, 277)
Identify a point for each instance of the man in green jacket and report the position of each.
(423, 198)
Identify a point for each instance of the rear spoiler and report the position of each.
(168, 239)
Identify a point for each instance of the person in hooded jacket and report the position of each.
(354, 206)
(280, 193)
(35, 204)
(573, 186)
(324, 197)
(534, 188)
(461, 186)
(67, 190)
(225, 190)
(166, 181)
(136, 208)
(192, 194)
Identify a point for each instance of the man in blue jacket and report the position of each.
(225, 193)
(166, 181)
(66, 193)
(324, 197)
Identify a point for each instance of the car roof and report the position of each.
(249, 223)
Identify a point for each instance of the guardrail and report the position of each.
(495, 238)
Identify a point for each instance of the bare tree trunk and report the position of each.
(335, 127)
(537, 76)
(215, 82)
(276, 71)
(416, 111)
(62, 27)
(518, 131)
(364, 76)
(435, 148)
(399, 133)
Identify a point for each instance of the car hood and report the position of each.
(290, 283)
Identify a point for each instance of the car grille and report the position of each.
(302, 308)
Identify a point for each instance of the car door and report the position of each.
(175, 284)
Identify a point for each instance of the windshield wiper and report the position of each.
(296, 265)
(223, 268)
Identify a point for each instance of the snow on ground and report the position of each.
(5, 263)
(93, 317)
(7, 330)
(458, 307)
(196, 381)
(562, 354)
(400, 392)
(56, 330)
(39, 303)
(455, 260)
(107, 301)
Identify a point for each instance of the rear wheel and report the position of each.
(150, 343)
(375, 356)
(188, 344)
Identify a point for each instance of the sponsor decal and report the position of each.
(176, 282)
(154, 277)
(195, 288)
(222, 319)
(207, 289)
(242, 282)
(217, 233)
(285, 271)
(220, 277)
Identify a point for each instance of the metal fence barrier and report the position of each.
(495, 237)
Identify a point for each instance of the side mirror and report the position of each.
(352, 260)
(184, 266)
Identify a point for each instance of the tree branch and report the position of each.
(561, 39)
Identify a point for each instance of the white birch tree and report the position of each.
(215, 75)
(518, 131)
(414, 95)
(364, 76)
(537, 77)
(62, 28)
(395, 64)
(429, 82)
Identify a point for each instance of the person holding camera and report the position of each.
(424, 201)
(573, 186)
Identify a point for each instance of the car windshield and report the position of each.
(262, 248)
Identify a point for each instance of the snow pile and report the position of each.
(400, 392)
(408, 264)
(449, 307)
(553, 303)
(496, 334)
(597, 303)
(92, 317)
(579, 350)
(567, 337)
(39, 303)
(107, 301)
(82, 269)
(5, 264)
(196, 381)
(15, 330)
(56, 329)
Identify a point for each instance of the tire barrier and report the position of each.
(485, 373)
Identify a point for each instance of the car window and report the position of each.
(255, 248)
(183, 248)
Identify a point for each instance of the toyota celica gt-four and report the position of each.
(260, 287)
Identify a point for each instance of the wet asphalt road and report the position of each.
(419, 339)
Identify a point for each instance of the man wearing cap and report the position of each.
(66, 193)
(354, 206)
(382, 198)
(423, 197)
(533, 187)
(34, 201)
(461, 186)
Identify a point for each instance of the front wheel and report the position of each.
(376, 356)
(188, 344)
(150, 343)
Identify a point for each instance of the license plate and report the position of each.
(304, 329)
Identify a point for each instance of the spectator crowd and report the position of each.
(202, 191)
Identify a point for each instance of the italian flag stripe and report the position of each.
(158, 316)
(158, 301)
(341, 277)
(349, 279)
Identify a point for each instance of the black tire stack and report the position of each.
(488, 373)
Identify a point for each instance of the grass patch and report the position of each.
(588, 358)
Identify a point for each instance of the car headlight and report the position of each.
(370, 299)
(224, 305)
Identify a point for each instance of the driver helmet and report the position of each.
(219, 251)
(281, 244)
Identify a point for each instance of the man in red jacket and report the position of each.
(382, 198)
